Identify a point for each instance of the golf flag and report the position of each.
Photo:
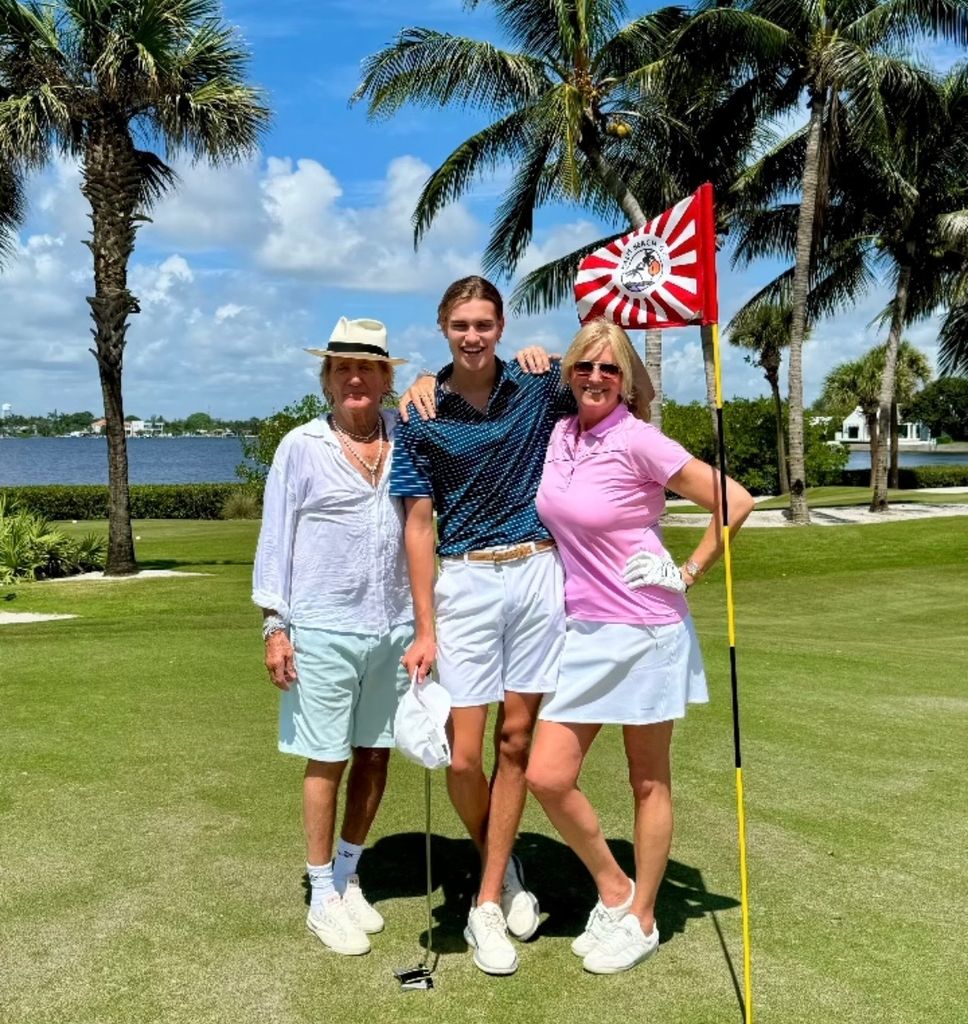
(660, 275)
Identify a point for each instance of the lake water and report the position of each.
(173, 460)
(151, 460)
(862, 459)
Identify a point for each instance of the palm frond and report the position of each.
(639, 44)
(434, 69)
(13, 207)
(908, 21)
(551, 284)
(220, 120)
(514, 218)
(157, 178)
(953, 340)
(543, 27)
(851, 70)
(766, 232)
(503, 140)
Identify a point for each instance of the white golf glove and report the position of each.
(647, 569)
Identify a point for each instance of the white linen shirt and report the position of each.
(330, 551)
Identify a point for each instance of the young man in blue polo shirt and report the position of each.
(498, 600)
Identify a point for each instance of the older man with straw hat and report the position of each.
(331, 579)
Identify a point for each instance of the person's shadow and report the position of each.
(394, 867)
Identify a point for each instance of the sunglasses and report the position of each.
(585, 368)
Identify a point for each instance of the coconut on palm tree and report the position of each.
(839, 57)
(101, 81)
(571, 110)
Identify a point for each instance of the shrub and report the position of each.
(244, 503)
(148, 501)
(912, 477)
(750, 428)
(259, 450)
(30, 548)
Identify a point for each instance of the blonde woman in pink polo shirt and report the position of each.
(631, 655)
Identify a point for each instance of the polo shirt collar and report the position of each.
(613, 419)
(504, 377)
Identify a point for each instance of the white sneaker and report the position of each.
(361, 912)
(487, 934)
(599, 921)
(623, 946)
(335, 928)
(520, 907)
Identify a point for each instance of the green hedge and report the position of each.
(910, 478)
(148, 501)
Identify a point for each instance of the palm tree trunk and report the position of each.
(892, 480)
(799, 512)
(783, 478)
(606, 174)
(874, 443)
(111, 183)
(709, 366)
(632, 210)
(879, 497)
(653, 364)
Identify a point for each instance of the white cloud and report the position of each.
(369, 248)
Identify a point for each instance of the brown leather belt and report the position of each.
(508, 554)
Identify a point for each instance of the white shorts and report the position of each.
(616, 673)
(500, 626)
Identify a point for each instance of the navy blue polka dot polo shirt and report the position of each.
(482, 469)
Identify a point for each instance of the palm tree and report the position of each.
(719, 125)
(839, 55)
(919, 216)
(562, 100)
(765, 330)
(912, 372)
(856, 384)
(100, 80)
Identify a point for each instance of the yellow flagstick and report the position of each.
(734, 684)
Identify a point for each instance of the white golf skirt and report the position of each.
(616, 673)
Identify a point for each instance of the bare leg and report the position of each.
(364, 791)
(320, 791)
(647, 750)
(556, 761)
(508, 788)
(466, 783)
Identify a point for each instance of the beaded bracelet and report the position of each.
(272, 624)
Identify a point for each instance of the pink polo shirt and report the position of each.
(601, 496)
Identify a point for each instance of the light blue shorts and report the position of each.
(345, 694)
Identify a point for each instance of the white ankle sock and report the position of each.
(345, 863)
(321, 880)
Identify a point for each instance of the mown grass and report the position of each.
(151, 859)
(827, 497)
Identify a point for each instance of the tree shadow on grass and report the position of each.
(173, 563)
(394, 868)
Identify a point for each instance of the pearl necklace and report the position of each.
(361, 438)
(371, 467)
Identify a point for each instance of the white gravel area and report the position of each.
(144, 574)
(858, 515)
(12, 618)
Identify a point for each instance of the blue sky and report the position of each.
(244, 266)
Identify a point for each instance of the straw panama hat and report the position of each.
(358, 339)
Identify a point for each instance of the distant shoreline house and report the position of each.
(854, 430)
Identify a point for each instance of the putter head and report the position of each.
(413, 978)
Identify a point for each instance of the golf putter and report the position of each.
(421, 976)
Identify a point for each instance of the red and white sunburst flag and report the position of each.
(660, 275)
